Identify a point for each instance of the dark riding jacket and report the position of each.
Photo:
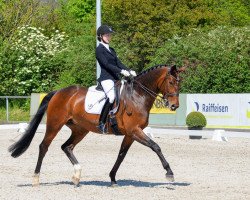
(110, 64)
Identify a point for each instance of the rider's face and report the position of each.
(106, 38)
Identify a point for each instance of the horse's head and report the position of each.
(169, 87)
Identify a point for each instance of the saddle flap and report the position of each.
(95, 99)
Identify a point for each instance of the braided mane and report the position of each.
(150, 69)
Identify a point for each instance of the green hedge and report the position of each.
(196, 119)
(147, 33)
(218, 61)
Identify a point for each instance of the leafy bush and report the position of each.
(196, 119)
(29, 62)
(142, 27)
(218, 60)
(79, 65)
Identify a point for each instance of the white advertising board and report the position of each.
(222, 110)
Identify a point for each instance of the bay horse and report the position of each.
(66, 107)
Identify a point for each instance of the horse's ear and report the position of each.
(173, 70)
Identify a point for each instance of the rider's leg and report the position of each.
(103, 116)
(108, 87)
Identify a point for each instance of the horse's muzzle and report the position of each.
(173, 107)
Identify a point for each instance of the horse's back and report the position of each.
(67, 92)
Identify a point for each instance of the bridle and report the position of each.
(154, 94)
(170, 94)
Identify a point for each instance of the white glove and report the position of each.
(125, 73)
(133, 73)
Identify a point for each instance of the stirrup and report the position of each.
(102, 128)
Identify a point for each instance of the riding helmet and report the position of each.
(103, 29)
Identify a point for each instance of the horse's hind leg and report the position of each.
(68, 146)
(126, 143)
(142, 138)
(50, 134)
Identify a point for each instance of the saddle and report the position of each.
(95, 99)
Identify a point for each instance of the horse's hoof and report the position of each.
(75, 180)
(114, 184)
(170, 178)
(35, 182)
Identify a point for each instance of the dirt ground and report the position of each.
(204, 169)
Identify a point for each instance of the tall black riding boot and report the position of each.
(103, 116)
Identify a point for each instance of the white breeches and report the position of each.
(109, 89)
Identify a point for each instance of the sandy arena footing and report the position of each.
(204, 169)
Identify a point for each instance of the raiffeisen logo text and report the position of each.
(212, 107)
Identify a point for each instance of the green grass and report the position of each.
(15, 115)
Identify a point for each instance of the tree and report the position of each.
(144, 26)
(77, 20)
(218, 60)
(30, 60)
(29, 63)
(15, 14)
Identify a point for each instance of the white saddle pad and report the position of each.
(94, 100)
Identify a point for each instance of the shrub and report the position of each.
(30, 62)
(218, 61)
(196, 119)
(80, 63)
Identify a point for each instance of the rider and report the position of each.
(111, 67)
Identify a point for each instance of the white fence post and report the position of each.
(7, 109)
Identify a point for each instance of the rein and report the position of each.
(150, 92)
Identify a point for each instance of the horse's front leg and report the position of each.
(142, 138)
(126, 143)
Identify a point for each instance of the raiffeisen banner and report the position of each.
(222, 110)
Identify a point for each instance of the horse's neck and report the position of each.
(150, 81)
(152, 78)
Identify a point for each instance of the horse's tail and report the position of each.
(19, 147)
